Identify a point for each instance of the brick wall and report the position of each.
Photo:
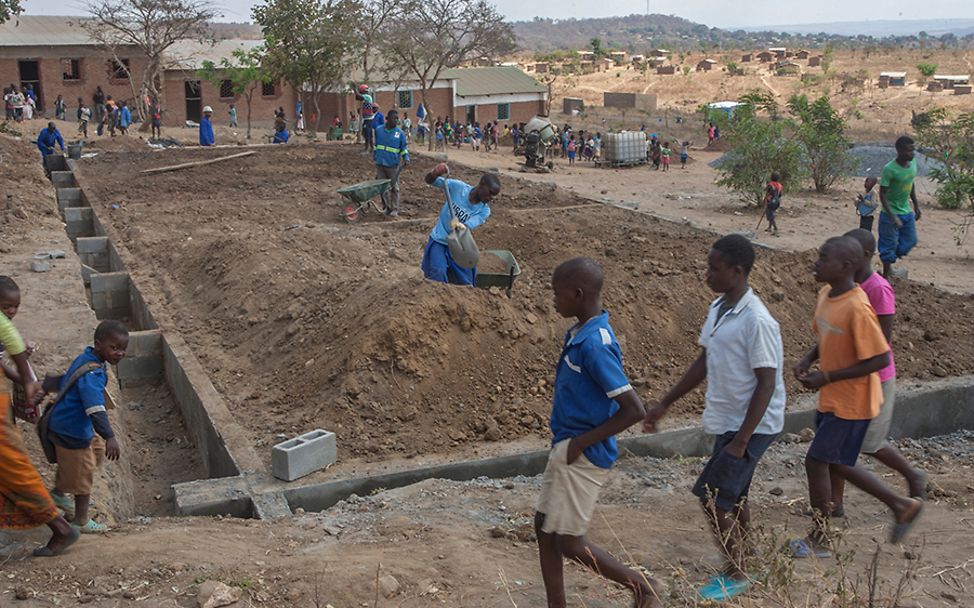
(262, 109)
(94, 71)
(522, 111)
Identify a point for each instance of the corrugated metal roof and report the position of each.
(893, 74)
(190, 54)
(951, 77)
(498, 80)
(43, 30)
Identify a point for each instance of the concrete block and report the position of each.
(110, 281)
(78, 222)
(93, 251)
(86, 272)
(39, 266)
(69, 197)
(110, 295)
(304, 454)
(55, 162)
(208, 497)
(63, 179)
(143, 360)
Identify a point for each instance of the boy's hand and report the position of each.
(31, 348)
(575, 450)
(33, 392)
(801, 369)
(897, 221)
(736, 448)
(814, 380)
(917, 213)
(653, 415)
(112, 449)
(440, 170)
(457, 225)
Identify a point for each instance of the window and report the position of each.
(268, 89)
(226, 89)
(503, 111)
(405, 99)
(71, 69)
(119, 71)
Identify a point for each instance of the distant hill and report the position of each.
(634, 32)
(877, 29)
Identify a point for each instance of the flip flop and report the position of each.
(64, 503)
(46, 551)
(800, 548)
(721, 588)
(91, 527)
(900, 530)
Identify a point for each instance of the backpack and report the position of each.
(44, 424)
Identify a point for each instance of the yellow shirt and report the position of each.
(848, 332)
(13, 344)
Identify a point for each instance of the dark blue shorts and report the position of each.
(837, 440)
(726, 477)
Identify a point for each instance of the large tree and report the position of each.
(441, 34)
(152, 27)
(9, 8)
(245, 71)
(376, 17)
(310, 43)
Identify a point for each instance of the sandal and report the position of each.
(64, 503)
(802, 548)
(721, 588)
(900, 530)
(91, 527)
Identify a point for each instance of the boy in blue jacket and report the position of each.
(76, 419)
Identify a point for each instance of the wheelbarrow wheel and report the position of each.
(351, 213)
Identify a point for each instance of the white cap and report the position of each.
(208, 109)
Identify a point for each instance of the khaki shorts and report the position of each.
(76, 468)
(878, 433)
(569, 492)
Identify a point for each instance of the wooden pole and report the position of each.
(198, 163)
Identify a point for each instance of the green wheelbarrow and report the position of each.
(503, 280)
(358, 198)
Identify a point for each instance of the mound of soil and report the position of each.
(305, 322)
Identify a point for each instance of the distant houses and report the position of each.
(892, 79)
(706, 65)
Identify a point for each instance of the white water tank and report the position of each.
(625, 147)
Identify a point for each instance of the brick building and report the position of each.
(56, 57)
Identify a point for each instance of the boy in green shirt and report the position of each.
(897, 221)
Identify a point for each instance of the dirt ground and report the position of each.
(55, 314)
(806, 218)
(471, 544)
(303, 321)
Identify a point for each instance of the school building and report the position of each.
(477, 94)
(57, 57)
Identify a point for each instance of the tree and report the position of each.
(597, 50)
(952, 140)
(309, 43)
(440, 34)
(759, 148)
(548, 80)
(926, 71)
(821, 133)
(152, 27)
(376, 15)
(245, 72)
(9, 8)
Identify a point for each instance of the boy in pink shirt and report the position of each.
(876, 444)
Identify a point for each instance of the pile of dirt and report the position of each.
(305, 322)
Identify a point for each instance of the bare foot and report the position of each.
(649, 598)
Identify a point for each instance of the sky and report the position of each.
(718, 13)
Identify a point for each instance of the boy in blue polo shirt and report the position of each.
(75, 420)
(593, 403)
(471, 205)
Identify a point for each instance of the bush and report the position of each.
(760, 146)
(821, 133)
(952, 142)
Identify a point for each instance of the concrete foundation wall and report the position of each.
(110, 295)
(77, 222)
(143, 359)
(93, 252)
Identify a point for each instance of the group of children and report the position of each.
(117, 116)
(742, 361)
(75, 426)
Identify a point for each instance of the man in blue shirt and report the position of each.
(471, 207)
(46, 140)
(593, 403)
(76, 418)
(390, 155)
(206, 128)
(280, 133)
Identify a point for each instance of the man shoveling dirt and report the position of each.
(466, 208)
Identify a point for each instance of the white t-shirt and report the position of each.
(747, 337)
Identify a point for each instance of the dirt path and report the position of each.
(806, 218)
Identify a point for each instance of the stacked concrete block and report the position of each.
(143, 359)
(93, 251)
(304, 455)
(69, 197)
(110, 295)
(78, 222)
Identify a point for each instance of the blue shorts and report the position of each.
(893, 242)
(438, 265)
(837, 440)
(727, 478)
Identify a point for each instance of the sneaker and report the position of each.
(91, 527)
(392, 213)
(63, 502)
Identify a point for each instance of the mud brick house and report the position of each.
(57, 57)
(706, 65)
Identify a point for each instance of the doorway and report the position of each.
(193, 100)
(30, 74)
(471, 114)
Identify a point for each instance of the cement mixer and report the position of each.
(539, 134)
